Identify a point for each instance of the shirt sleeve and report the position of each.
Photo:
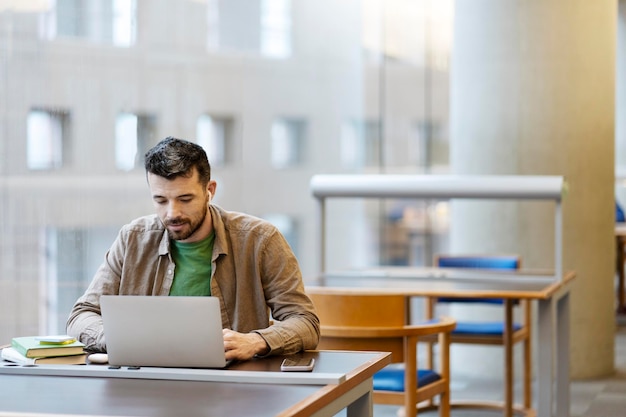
(296, 325)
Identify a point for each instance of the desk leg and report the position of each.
(358, 401)
(553, 393)
(545, 346)
(364, 405)
(563, 357)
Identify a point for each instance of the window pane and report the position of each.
(215, 135)
(134, 135)
(287, 142)
(276, 28)
(125, 141)
(360, 144)
(101, 21)
(259, 26)
(124, 22)
(45, 140)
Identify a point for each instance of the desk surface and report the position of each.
(448, 282)
(100, 396)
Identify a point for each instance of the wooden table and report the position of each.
(620, 240)
(553, 317)
(253, 388)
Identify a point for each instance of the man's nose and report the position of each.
(173, 210)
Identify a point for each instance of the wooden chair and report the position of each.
(353, 320)
(492, 332)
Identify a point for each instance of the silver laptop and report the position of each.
(183, 332)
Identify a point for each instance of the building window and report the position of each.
(287, 226)
(276, 28)
(360, 144)
(101, 21)
(259, 26)
(46, 137)
(71, 256)
(216, 135)
(134, 135)
(287, 145)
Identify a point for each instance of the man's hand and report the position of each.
(243, 346)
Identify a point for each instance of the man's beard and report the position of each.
(185, 233)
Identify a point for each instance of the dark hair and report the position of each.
(174, 157)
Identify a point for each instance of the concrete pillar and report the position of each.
(620, 106)
(533, 92)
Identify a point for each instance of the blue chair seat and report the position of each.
(489, 328)
(392, 378)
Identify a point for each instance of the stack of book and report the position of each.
(35, 350)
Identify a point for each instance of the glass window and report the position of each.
(257, 26)
(72, 257)
(101, 21)
(47, 132)
(215, 135)
(276, 28)
(360, 144)
(287, 142)
(134, 134)
(125, 141)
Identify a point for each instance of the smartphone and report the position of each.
(297, 365)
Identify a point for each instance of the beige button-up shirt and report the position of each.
(254, 274)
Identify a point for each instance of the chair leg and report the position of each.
(444, 371)
(410, 377)
(528, 360)
(508, 358)
(429, 304)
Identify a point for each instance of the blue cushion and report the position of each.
(479, 262)
(619, 213)
(497, 262)
(392, 378)
(490, 328)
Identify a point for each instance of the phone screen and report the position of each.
(297, 364)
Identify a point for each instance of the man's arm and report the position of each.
(296, 325)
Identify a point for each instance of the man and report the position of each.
(192, 247)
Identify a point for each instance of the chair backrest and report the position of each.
(509, 262)
(479, 261)
(363, 321)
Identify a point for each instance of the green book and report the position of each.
(30, 347)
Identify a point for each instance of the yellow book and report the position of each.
(12, 355)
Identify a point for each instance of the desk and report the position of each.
(620, 240)
(553, 319)
(25, 391)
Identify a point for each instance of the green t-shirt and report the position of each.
(193, 267)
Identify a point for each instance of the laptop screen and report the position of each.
(184, 332)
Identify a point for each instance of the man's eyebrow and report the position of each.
(187, 195)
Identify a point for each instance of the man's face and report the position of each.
(181, 204)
